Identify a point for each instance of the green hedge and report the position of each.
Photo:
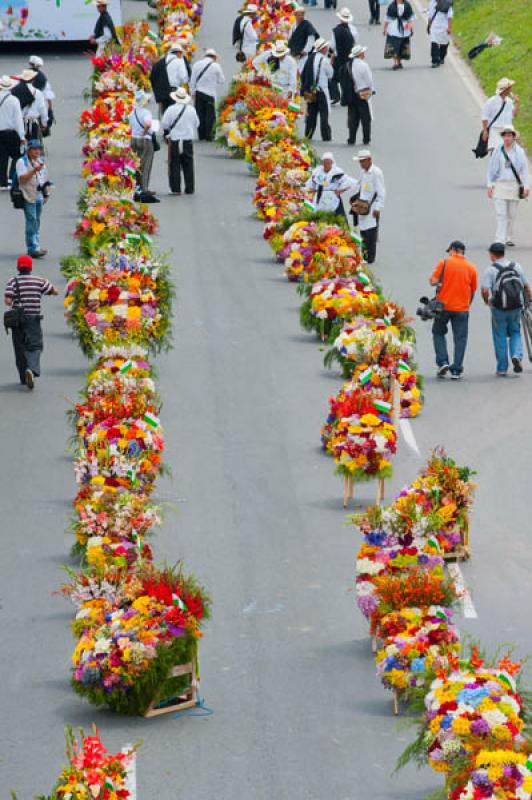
(512, 21)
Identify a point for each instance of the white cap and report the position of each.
(36, 61)
(361, 155)
(357, 51)
(344, 15)
(328, 156)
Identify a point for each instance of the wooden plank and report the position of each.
(187, 698)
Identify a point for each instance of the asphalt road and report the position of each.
(255, 507)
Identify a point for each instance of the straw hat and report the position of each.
(362, 155)
(279, 49)
(6, 82)
(503, 84)
(357, 51)
(176, 47)
(180, 96)
(251, 8)
(320, 44)
(28, 75)
(210, 51)
(508, 129)
(344, 15)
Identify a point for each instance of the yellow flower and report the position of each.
(495, 773)
(370, 419)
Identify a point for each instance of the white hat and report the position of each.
(361, 155)
(503, 84)
(357, 51)
(211, 52)
(299, 9)
(251, 8)
(327, 156)
(6, 82)
(180, 96)
(176, 47)
(345, 15)
(28, 75)
(509, 128)
(279, 48)
(320, 44)
(36, 61)
(101, 2)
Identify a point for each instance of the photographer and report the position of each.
(32, 176)
(456, 279)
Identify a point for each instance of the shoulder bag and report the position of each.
(516, 174)
(241, 56)
(435, 305)
(312, 95)
(481, 150)
(361, 207)
(14, 317)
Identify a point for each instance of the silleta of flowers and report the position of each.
(473, 726)
(135, 622)
(91, 771)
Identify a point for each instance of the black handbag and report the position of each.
(481, 149)
(14, 317)
(516, 174)
(156, 143)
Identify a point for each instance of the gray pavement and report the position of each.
(286, 667)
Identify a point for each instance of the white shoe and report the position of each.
(4, 188)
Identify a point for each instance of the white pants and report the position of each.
(505, 211)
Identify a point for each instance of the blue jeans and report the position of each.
(32, 214)
(459, 323)
(506, 329)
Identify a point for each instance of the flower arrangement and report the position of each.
(133, 628)
(107, 220)
(366, 341)
(497, 775)
(333, 301)
(92, 772)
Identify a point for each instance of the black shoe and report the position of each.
(434, 66)
(350, 141)
(334, 102)
(377, 22)
(518, 367)
(442, 371)
(371, 21)
(29, 379)
(368, 141)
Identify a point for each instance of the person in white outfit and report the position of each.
(12, 133)
(35, 113)
(359, 90)
(180, 125)
(206, 77)
(498, 111)
(508, 182)
(41, 82)
(245, 36)
(440, 29)
(280, 67)
(315, 79)
(370, 189)
(328, 182)
(104, 30)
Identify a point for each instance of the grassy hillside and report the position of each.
(512, 21)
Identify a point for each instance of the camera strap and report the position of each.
(440, 281)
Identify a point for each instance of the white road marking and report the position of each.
(468, 607)
(408, 435)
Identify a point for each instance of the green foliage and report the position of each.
(474, 20)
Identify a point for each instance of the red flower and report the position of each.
(194, 605)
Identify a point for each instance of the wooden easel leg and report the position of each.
(346, 491)
(380, 491)
(351, 487)
(374, 644)
(395, 703)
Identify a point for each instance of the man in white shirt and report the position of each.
(344, 38)
(206, 77)
(141, 122)
(41, 82)
(439, 29)
(280, 68)
(328, 182)
(33, 180)
(168, 74)
(498, 111)
(508, 183)
(315, 82)
(33, 104)
(180, 126)
(245, 36)
(358, 97)
(104, 30)
(11, 130)
(371, 189)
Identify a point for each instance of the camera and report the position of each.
(429, 309)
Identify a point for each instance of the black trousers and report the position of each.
(181, 159)
(320, 107)
(358, 112)
(28, 346)
(374, 10)
(9, 149)
(205, 109)
(369, 243)
(438, 52)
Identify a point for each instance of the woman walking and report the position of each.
(398, 29)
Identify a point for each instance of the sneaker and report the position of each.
(509, 243)
(442, 371)
(518, 367)
(176, 194)
(29, 379)
(4, 188)
(39, 254)
(455, 376)
(334, 102)
(501, 374)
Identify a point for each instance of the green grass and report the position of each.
(512, 21)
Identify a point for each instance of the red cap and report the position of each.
(25, 262)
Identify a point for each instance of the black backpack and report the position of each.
(443, 5)
(508, 289)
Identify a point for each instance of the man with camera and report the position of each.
(456, 280)
(32, 176)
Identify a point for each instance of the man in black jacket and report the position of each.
(302, 35)
(344, 38)
(168, 74)
(104, 30)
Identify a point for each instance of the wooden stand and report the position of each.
(462, 552)
(395, 701)
(374, 643)
(186, 699)
(348, 489)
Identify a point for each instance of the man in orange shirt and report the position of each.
(456, 292)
